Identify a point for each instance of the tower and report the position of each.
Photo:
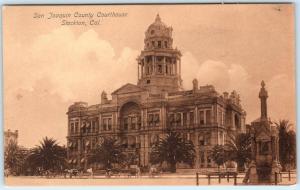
(159, 64)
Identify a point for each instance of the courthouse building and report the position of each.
(139, 114)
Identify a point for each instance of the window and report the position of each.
(150, 119)
(93, 126)
(208, 116)
(184, 118)
(159, 68)
(220, 117)
(201, 140)
(156, 119)
(237, 121)
(72, 128)
(152, 31)
(109, 125)
(88, 126)
(171, 119)
(201, 117)
(166, 44)
(153, 44)
(104, 121)
(133, 122)
(125, 123)
(159, 44)
(139, 122)
(207, 139)
(178, 119)
(167, 69)
(76, 127)
(148, 81)
(191, 118)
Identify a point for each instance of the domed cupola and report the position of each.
(158, 35)
(159, 64)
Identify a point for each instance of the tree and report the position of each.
(287, 143)
(218, 155)
(108, 153)
(292, 153)
(14, 158)
(173, 149)
(48, 155)
(238, 149)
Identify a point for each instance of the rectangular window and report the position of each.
(150, 119)
(201, 140)
(207, 139)
(139, 122)
(104, 123)
(156, 119)
(109, 124)
(208, 116)
(220, 115)
(166, 44)
(178, 119)
(133, 122)
(191, 118)
(153, 44)
(201, 117)
(171, 119)
(159, 44)
(72, 128)
(184, 118)
(125, 123)
(76, 127)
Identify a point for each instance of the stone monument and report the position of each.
(264, 146)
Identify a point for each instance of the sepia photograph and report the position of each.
(149, 94)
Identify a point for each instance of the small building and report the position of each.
(139, 114)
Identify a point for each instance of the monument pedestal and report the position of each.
(253, 177)
(276, 168)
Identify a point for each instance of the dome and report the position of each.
(158, 24)
(158, 28)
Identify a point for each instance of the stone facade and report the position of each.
(138, 115)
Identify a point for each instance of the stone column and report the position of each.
(146, 157)
(175, 67)
(197, 151)
(142, 119)
(142, 150)
(196, 116)
(164, 66)
(179, 67)
(153, 65)
(138, 71)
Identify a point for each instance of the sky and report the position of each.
(48, 66)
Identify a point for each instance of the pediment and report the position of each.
(128, 88)
(263, 133)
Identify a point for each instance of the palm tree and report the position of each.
(286, 142)
(218, 155)
(238, 149)
(108, 153)
(173, 149)
(48, 155)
